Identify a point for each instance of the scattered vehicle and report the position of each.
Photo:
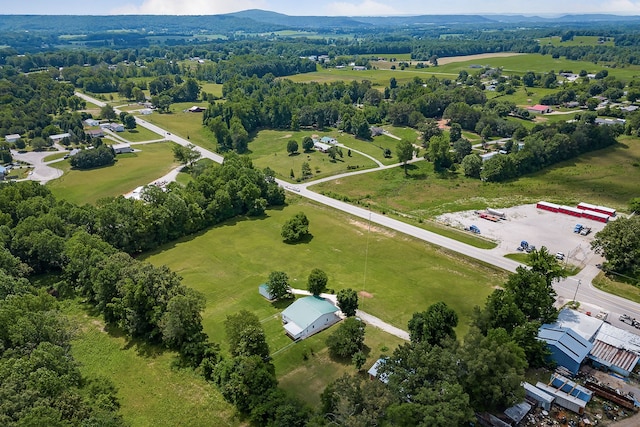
(523, 246)
(66, 156)
(603, 315)
(560, 255)
(474, 229)
(625, 318)
(577, 228)
(585, 231)
(530, 248)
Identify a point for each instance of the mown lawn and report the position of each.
(139, 134)
(184, 124)
(269, 148)
(403, 275)
(150, 390)
(608, 177)
(129, 171)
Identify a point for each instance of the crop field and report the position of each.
(151, 392)
(269, 148)
(608, 177)
(402, 276)
(130, 171)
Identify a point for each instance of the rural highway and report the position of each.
(593, 299)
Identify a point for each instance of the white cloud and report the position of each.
(365, 8)
(188, 7)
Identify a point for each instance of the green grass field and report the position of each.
(577, 41)
(187, 125)
(130, 171)
(139, 134)
(269, 148)
(403, 275)
(621, 289)
(55, 156)
(608, 177)
(151, 392)
(212, 88)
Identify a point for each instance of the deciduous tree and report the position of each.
(347, 339)
(348, 301)
(404, 151)
(317, 281)
(295, 228)
(278, 285)
(434, 325)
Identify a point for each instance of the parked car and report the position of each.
(560, 256)
(585, 231)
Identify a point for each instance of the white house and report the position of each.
(307, 316)
(14, 137)
(489, 155)
(59, 137)
(146, 111)
(122, 148)
(323, 148)
(91, 122)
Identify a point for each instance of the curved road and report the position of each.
(565, 289)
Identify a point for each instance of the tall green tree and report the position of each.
(404, 151)
(438, 153)
(433, 326)
(317, 281)
(278, 285)
(494, 368)
(347, 339)
(472, 165)
(245, 335)
(292, 146)
(295, 228)
(619, 243)
(348, 301)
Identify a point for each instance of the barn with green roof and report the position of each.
(307, 316)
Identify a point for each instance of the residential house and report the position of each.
(59, 137)
(323, 148)
(95, 133)
(539, 109)
(122, 148)
(14, 137)
(307, 316)
(91, 122)
(328, 140)
(3, 173)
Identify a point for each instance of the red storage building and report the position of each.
(601, 209)
(569, 210)
(552, 207)
(595, 216)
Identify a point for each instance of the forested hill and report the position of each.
(261, 21)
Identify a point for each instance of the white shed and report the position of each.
(122, 148)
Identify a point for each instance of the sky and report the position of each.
(318, 7)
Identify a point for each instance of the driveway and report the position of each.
(42, 172)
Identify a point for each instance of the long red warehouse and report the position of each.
(548, 206)
(602, 209)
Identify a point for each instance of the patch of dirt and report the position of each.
(442, 124)
(375, 229)
(99, 324)
(286, 136)
(365, 294)
(315, 136)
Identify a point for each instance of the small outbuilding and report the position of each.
(264, 291)
(543, 398)
(374, 371)
(307, 316)
(196, 109)
(122, 148)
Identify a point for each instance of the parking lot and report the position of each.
(537, 227)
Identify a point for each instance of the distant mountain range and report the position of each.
(259, 21)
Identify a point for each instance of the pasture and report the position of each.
(184, 124)
(402, 276)
(608, 177)
(128, 172)
(269, 148)
(151, 392)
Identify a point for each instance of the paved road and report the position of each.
(566, 288)
(41, 172)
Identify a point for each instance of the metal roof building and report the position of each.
(568, 348)
(307, 316)
(616, 349)
(585, 326)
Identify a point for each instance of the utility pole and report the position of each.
(577, 287)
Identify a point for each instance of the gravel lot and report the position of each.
(538, 227)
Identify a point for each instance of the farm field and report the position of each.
(130, 171)
(577, 41)
(269, 148)
(608, 177)
(151, 392)
(399, 280)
